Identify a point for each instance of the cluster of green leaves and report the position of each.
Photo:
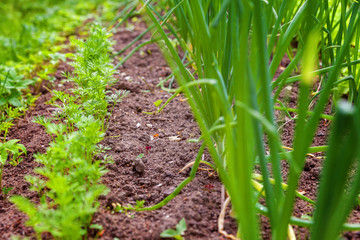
(10, 90)
(235, 48)
(11, 86)
(175, 233)
(38, 25)
(30, 48)
(7, 117)
(90, 87)
(69, 185)
(10, 151)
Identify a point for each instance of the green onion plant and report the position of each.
(236, 48)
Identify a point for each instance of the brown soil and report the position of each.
(130, 133)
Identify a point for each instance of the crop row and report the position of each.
(68, 183)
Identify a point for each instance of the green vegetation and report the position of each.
(230, 54)
(32, 47)
(175, 233)
(70, 182)
(10, 151)
(235, 48)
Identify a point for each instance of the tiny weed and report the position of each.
(6, 190)
(175, 233)
(158, 103)
(10, 150)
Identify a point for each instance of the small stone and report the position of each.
(169, 191)
(139, 166)
(122, 195)
(321, 134)
(174, 138)
(197, 217)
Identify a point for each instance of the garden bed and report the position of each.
(162, 138)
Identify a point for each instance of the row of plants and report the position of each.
(68, 181)
(30, 51)
(231, 51)
(31, 48)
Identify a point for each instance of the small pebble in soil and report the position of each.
(168, 191)
(139, 165)
(321, 134)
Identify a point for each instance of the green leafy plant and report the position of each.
(7, 118)
(175, 233)
(6, 190)
(71, 167)
(141, 155)
(158, 103)
(10, 151)
(11, 85)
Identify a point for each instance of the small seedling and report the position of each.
(157, 103)
(117, 207)
(176, 234)
(139, 204)
(10, 151)
(6, 190)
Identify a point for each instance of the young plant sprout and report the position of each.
(10, 151)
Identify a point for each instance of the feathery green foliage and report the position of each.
(71, 169)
